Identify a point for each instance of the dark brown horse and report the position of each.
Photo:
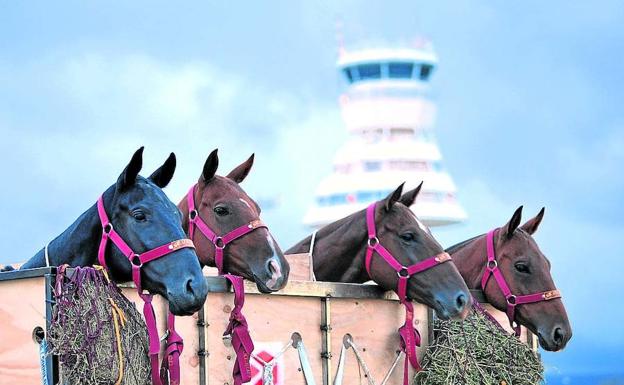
(223, 205)
(526, 270)
(340, 248)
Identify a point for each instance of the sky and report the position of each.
(529, 98)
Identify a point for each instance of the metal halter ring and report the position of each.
(511, 300)
(492, 264)
(403, 273)
(108, 228)
(219, 244)
(136, 260)
(193, 214)
(372, 242)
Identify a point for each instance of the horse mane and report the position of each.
(462, 244)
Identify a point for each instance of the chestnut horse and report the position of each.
(340, 248)
(223, 206)
(525, 270)
(145, 219)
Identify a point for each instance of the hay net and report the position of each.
(478, 351)
(97, 333)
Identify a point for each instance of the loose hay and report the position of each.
(478, 352)
(91, 319)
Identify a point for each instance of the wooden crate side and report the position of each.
(373, 324)
(299, 267)
(272, 320)
(21, 310)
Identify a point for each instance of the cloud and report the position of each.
(103, 107)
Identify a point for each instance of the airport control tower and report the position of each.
(390, 118)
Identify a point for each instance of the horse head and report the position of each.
(145, 219)
(224, 207)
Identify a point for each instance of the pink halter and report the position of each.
(219, 242)
(491, 269)
(170, 369)
(409, 336)
(237, 328)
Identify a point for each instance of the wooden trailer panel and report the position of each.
(373, 325)
(272, 321)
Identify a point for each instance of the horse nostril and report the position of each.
(558, 335)
(460, 301)
(189, 286)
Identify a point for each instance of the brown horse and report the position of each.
(223, 205)
(340, 248)
(526, 270)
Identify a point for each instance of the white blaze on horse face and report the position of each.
(420, 224)
(245, 202)
(274, 263)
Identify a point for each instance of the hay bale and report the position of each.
(477, 351)
(91, 320)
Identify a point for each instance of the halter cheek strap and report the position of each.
(409, 336)
(170, 369)
(219, 242)
(491, 269)
(238, 329)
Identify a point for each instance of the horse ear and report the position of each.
(129, 174)
(242, 170)
(513, 223)
(532, 224)
(393, 197)
(409, 197)
(210, 167)
(163, 175)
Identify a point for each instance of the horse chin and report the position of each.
(179, 311)
(268, 286)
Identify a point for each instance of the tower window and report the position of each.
(347, 72)
(425, 71)
(369, 71)
(400, 70)
(372, 166)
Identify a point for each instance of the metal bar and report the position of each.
(429, 326)
(201, 353)
(51, 361)
(26, 273)
(326, 340)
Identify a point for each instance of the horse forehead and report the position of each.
(148, 192)
(418, 221)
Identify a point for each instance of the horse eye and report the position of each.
(221, 211)
(138, 215)
(407, 237)
(522, 268)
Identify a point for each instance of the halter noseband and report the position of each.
(410, 338)
(174, 341)
(491, 269)
(237, 328)
(219, 242)
(404, 272)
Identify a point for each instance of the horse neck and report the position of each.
(470, 258)
(77, 245)
(339, 250)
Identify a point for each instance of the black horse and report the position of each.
(145, 218)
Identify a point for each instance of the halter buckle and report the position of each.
(193, 214)
(372, 242)
(135, 260)
(403, 273)
(492, 264)
(108, 228)
(219, 244)
(511, 300)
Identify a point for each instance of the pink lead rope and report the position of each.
(170, 369)
(237, 328)
(491, 269)
(410, 338)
